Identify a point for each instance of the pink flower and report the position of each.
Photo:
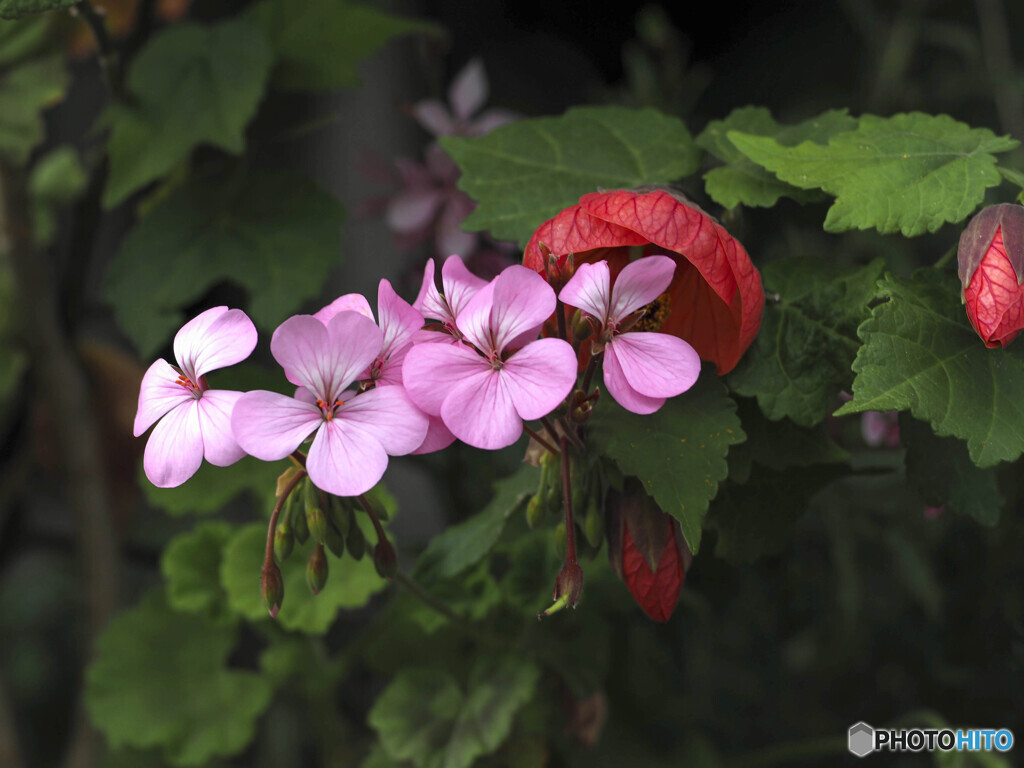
(195, 421)
(354, 433)
(459, 286)
(466, 95)
(880, 429)
(641, 369)
(485, 391)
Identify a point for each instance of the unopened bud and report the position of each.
(284, 542)
(991, 269)
(593, 522)
(355, 542)
(568, 588)
(560, 539)
(377, 506)
(385, 560)
(534, 512)
(316, 569)
(272, 588)
(295, 507)
(315, 519)
(334, 540)
(338, 512)
(581, 327)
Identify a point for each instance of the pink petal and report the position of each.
(491, 119)
(450, 237)
(219, 445)
(387, 415)
(618, 387)
(350, 302)
(175, 448)
(429, 302)
(442, 169)
(539, 377)
(640, 283)
(270, 426)
(413, 209)
(325, 360)
(344, 460)
(434, 117)
(438, 436)
(390, 372)
(655, 364)
(480, 412)
(432, 371)
(468, 90)
(398, 320)
(589, 289)
(214, 339)
(158, 394)
(460, 285)
(522, 300)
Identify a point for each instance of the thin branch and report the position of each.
(540, 440)
(106, 52)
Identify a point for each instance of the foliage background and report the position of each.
(820, 597)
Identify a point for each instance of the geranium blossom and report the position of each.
(194, 420)
(641, 369)
(459, 286)
(354, 433)
(466, 95)
(483, 392)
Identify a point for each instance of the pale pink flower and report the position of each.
(466, 95)
(880, 428)
(641, 369)
(354, 432)
(484, 392)
(459, 286)
(195, 421)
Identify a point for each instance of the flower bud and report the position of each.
(647, 550)
(535, 512)
(355, 542)
(568, 588)
(593, 522)
(284, 542)
(315, 518)
(339, 512)
(991, 268)
(316, 569)
(334, 540)
(272, 588)
(385, 560)
(295, 507)
(560, 539)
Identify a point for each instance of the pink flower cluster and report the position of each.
(475, 371)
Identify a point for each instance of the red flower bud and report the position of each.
(991, 266)
(647, 551)
(272, 587)
(715, 299)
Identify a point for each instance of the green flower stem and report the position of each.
(421, 594)
(946, 258)
(570, 526)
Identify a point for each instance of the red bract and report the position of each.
(991, 260)
(715, 299)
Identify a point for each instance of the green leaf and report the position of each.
(191, 85)
(472, 595)
(159, 679)
(462, 545)
(23, 38)
(742, 181)
(941, 471)
(191, 566)
(920, 354)
(908, 173)
(350, 583)
(56, 180)
(524, 173)
(15, 9)
(779, 445)
(319, 43)
(212, 487)
(757, 518)
(426, 717)
(678, 453)
(808, 338)
(276, 234)
(25, 91)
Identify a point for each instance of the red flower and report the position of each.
(715, 299)
(991, 258)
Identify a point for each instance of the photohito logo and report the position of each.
(862, 739)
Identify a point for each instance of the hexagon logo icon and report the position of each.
(861, 739)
